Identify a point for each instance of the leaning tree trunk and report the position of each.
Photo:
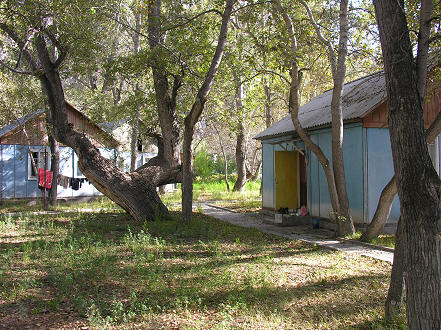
(395, 293)
(382, 212)
(134, 192)
(417, 181)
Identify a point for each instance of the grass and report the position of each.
(241, 206)
(102, 270)
(24, 205)
(387, 240)
(216, 191)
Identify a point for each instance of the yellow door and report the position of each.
(286, 179)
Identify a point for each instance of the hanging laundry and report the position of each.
(44, 178)
(75, 183)
(63, 181)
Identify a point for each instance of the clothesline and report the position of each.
(74, 183)
(45, 180)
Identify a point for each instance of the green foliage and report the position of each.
(207, 166)
(204, 163)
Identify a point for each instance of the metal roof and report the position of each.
(21, 121)
(359, 97)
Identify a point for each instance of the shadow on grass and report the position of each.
(98, 265)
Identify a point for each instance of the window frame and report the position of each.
(39, 161)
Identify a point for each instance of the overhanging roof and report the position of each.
(359, 97)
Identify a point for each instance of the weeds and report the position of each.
(104, 270)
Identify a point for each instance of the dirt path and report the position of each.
(321, 237)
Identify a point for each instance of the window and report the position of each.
(79, 173)
(139, 145)
(39, 156)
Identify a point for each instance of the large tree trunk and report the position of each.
(55, 168)
(417, 180)
(395, 293)
(346, 225)
(192, 118)
(135, 192)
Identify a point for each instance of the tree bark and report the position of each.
(417, 181)
(267, 91)
(196, 111)
(346, 225)
(395, 294)
(55, 168)
(382, 212)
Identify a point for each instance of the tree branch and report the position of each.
(191, 19)
(30, 73)
(326, 42)
(14, 36)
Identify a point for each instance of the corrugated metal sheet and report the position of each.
(359, 97)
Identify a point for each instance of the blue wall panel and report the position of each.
(379, 170)
(313, 183)
(319, 199)
(353, 159)
(8, 160)
(20, 173)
